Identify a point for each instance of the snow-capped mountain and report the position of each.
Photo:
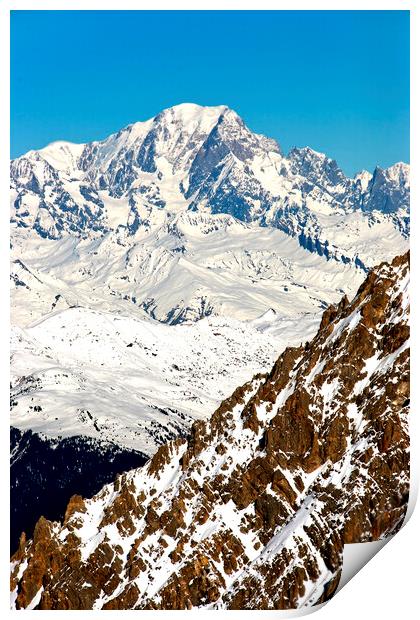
(156, 270)
(252, 509)
(205, 159)
(191, 214)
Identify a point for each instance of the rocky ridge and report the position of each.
(252, 510)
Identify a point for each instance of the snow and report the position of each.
(399, 172)
(377, 364)
(346, 324)
(35, 601)
(328, 390)
(240, 271)
(102, 375)
(356, 417)
(314, 372)
(363, 177)
(63, 156)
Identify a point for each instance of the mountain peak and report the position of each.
(317, 167)
(399, 172)
(188, 111)
(193, 157)
(307, 151)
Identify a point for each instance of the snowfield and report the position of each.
(135, 382)
(191, 266)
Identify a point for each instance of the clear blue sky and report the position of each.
(337, 81)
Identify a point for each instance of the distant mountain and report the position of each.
(252, 509)
(191, 214)
(205, 159)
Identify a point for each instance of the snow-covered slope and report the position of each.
(205, 159)
(252, 509)
(189, 266)
(87, 337)
(135, 383)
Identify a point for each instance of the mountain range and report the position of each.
(205, 159)
(155, 271)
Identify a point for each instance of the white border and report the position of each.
(368, 594)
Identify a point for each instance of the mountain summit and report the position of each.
(197, 158)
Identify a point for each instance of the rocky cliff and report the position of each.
(252, 510)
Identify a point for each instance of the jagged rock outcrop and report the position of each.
(252, 510)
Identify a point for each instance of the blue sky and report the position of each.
(337, 81)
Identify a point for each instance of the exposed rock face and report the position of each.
(253, 509)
